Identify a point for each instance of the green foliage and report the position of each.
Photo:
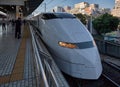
(81, 17)
(105, 23)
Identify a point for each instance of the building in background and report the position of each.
(79, 8)
(67, 9)
(94, 6)
(84, 8)
(81, 5)
(105, 10)
(116, 10)
(58, 9)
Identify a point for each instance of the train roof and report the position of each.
(56, 15)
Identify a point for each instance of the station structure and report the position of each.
(24, 62)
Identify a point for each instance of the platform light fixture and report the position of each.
(12, 7)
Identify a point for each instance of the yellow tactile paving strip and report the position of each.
(18, 70)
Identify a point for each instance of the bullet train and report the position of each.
(72, 46)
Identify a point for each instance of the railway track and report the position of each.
(112, 72)
(103, 81)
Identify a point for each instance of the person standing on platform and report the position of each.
(13, 23)
(18, 28)
(24, 21)
(3, 24)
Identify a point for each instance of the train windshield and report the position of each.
(56, 15)
(83, 45)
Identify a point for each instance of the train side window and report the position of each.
(48, 16)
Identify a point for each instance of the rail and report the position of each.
(45, 65)
(110, 80)
(38, 61)
(111, 72)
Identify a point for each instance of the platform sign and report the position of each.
(12, 2)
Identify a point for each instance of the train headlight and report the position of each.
(67, 45)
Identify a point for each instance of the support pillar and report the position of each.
(19, 12)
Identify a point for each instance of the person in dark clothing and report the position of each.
(18, 28)
(3, 25)
(13, 22)
(24, 21)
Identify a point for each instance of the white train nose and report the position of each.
(87, 64)
(92, 72)
(93, 66)
(86, 72)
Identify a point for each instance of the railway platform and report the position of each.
(16, 59)
(25, 62)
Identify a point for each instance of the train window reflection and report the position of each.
(56, 15)
(83, 45)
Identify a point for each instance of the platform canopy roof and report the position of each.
(2, 15)
(26, 6)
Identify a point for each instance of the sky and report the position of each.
(52, 3)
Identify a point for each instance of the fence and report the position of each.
(108, 48)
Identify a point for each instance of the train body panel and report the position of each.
(60, 34)
(78, 33)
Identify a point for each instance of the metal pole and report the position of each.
(91, 24)
(45, 6)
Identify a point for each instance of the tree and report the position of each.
(105, 23)
(81, 17)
